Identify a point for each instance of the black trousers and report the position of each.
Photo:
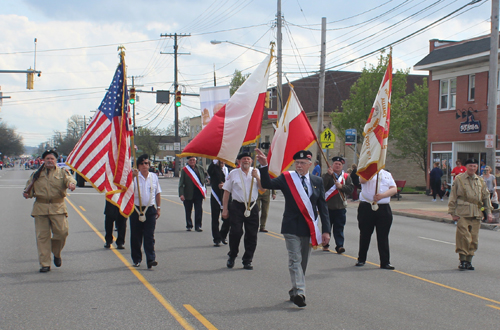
(217, 234)
(198, 211)
(121, 227)
(436, 189)
(238, 220)
(143, 230)
(368, 220)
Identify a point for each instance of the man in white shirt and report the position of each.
(243, 183)
(374, 212)
(143, 219)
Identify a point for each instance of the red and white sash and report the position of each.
(304, 204)
(217, 198)
(190, 172)
(333, 190)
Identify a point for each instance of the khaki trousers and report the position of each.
(467, 237)
(44, 224)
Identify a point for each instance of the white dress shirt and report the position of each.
(307, 181)
(145, 186)
(234, 185)
(368, 188)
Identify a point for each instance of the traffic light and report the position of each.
(132, 96)
(30, 78)
(268, 100)
(178, 102)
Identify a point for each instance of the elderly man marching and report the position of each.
(243, 184)
(337, 185)
(48, 185)
(304, 201)
(467, 196)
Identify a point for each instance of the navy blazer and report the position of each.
(293, 221)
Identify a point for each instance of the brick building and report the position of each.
(458, 101)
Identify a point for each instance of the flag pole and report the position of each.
(121, 48)
(251, 183)
(342, 196)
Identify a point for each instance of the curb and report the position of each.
(490, 226)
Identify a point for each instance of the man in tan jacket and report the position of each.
(48, 185)
(467, 196)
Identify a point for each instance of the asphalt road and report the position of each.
(191, 288)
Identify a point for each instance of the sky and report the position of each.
(77, 41)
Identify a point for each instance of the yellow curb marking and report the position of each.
(183, 322)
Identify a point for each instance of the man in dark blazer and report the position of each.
(295, 226)
(190, 193)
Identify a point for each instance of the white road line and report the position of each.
(436, 240)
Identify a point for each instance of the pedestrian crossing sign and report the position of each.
(327, 136)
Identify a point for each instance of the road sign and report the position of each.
(327, 136)
(350, 136)
(326, 145)
(489, 140)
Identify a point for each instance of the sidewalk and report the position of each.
(421, 206)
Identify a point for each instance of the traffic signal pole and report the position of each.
(176, 86)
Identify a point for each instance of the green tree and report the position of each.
(356, 109)
(11, 143)
(184, 128)
(237, 80)
(147, 141)
(65, 142)
(409, 126)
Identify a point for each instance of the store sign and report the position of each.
(470, 125)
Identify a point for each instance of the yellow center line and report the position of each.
(183, 322)
(496, 307)
(82, 208)
(200, 317)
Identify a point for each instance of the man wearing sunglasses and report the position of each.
(143, 219)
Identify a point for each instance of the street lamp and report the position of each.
(216, 42)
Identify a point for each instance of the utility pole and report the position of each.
(176, 86)
(321, 89)
(492, 85)
(279, 41)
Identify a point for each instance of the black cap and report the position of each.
(48, 152)
(142, 158)
(471, 161)
(303, 154)
(338, 159)
(243, 154)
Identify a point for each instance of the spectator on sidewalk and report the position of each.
(458, 169)
(435, 181)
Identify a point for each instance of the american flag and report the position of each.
(102, 156)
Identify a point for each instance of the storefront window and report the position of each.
(444, 159)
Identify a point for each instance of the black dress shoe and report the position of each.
(469, 266)
(465, 265)
(340, 249)
(230, 263)
(199, 230)
(57, 262)
(136, 264)
(248, 266)
(360, 263)
(387, 266)
(188, 229)
(44, 269)
(263, 230)
(217, 244)
(107, 245)
(223, 241)
(120, 247)
(299, 300)
(152, 263)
